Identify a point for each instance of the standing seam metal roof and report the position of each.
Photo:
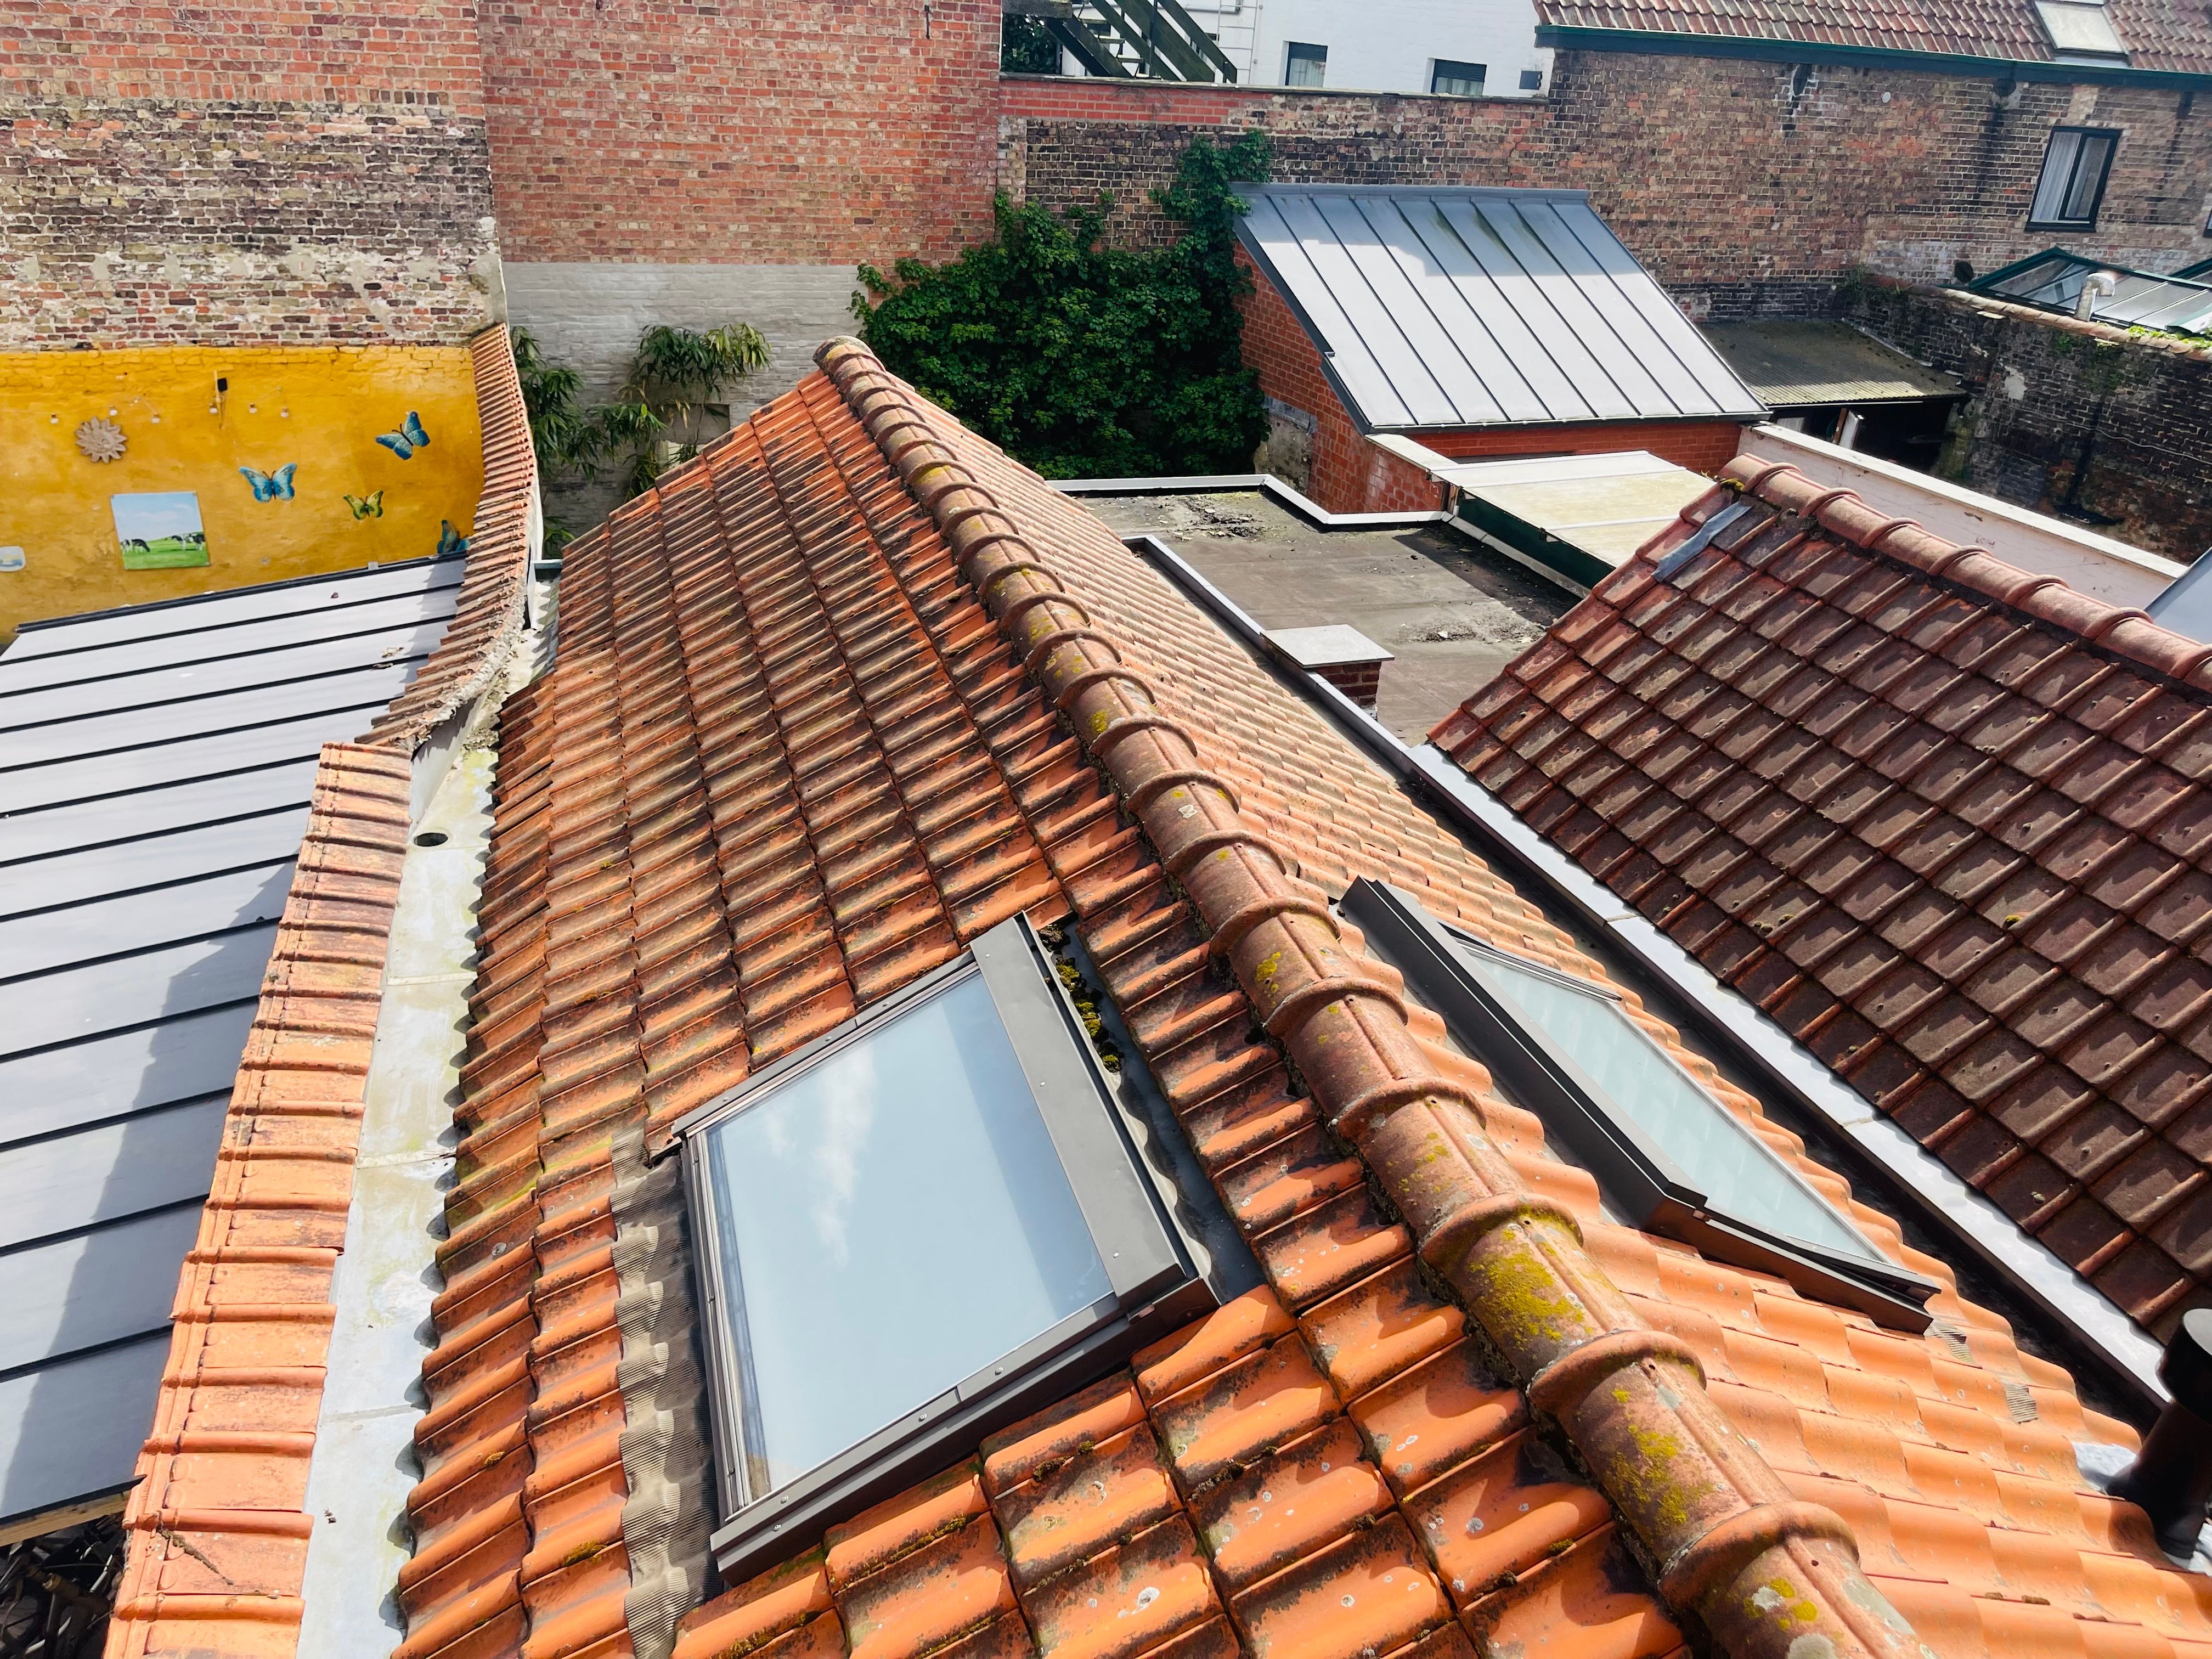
(1463, 307)
(156, 769)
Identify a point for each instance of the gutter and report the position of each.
(2097, 1336)
(1958, 64)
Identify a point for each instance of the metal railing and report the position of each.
(1155, 39)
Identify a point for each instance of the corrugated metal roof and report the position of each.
(156, 769)
(1794, 364)
(2053, 280)
(1462, 308)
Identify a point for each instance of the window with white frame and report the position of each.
(1450, 78)
(911, 1230)
(2075, 164)
(1304, 65)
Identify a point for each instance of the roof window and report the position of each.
(2081, 30)
(914, 1229)
(1667, 1154)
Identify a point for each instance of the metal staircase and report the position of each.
(1154, 40)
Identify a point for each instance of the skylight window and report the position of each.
(2080, 30)
(1667, 1153)
(907, 1233)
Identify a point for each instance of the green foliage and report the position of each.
(673, 372)
(1086, 361)
(1026, 47)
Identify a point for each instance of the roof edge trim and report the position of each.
(1567, 37)
(1716, 1521)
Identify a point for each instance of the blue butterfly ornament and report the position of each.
(410, 438)
(271, 486)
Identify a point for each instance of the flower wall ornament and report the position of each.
(100, 441)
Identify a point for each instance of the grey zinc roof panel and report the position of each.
(1466, 307)
(71, 875)
(200, 651)
(156, 765)
(157, 808)
(58, 1424)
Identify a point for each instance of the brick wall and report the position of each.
(753, 131)
(1747, 187)
(2049, 392)
(243, 173)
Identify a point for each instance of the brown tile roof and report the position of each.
(1945, 820)
(2162, 34)
(217, 1522)
(848, 690)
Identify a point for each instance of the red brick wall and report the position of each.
(1701, 446)
(753, 131)
(1742, 189)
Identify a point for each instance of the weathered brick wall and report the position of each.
(2049, 392)
(1747, 187)
(243, 173)
(755, 131)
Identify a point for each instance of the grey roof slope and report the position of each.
(156, 766)
(1464, 307)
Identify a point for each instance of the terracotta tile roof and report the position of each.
(2161, 35)
(489, 616)
(217, 1523)
(1944, 820)
(848, 690)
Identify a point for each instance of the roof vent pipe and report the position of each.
(2100, 285)
(2171, 1476)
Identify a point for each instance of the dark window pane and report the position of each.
(1305, 64)
(1457, 80)
(892, 1219)
(2088, 177)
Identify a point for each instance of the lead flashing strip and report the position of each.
(218, 1523)
(1721, 1527)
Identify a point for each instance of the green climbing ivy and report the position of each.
(1083, 360)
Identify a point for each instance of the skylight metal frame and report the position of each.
(1640, 1179)
(1150, 1261)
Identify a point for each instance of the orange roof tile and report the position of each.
(848, 691)
(1943, 820)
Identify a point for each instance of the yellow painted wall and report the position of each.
(317, 407)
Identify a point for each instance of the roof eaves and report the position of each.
(1780, 49)
(1720, 1526)
(217, 1524)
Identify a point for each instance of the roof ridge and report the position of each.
(488, 613)
(1729, 1541)
(2126, 631)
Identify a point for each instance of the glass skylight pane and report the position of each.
(2081, 28)
(893, 1219)
(1637, 1081)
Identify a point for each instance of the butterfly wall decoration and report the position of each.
(366, 507)
(271, 486)
(450, 540)
(410, 438)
